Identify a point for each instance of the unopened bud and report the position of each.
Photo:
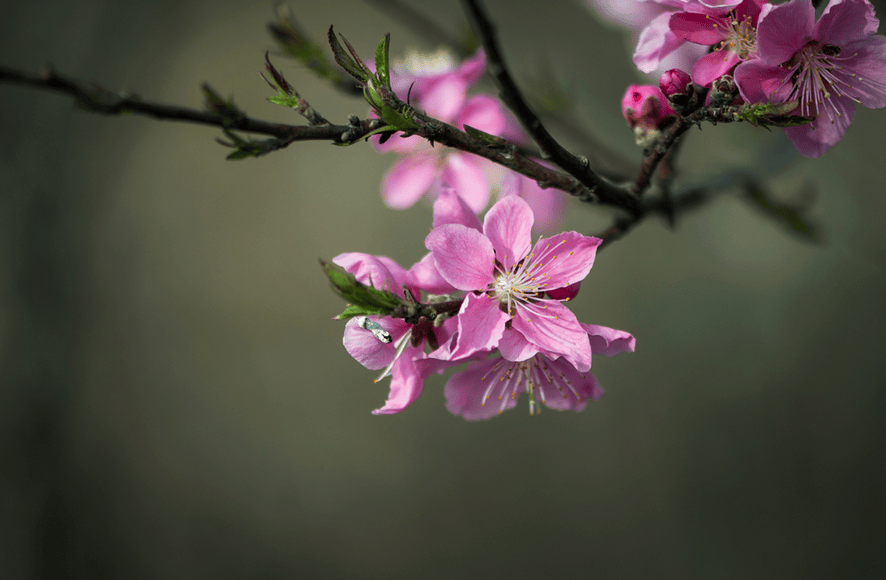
(724, 91)
(646, 110)
(675, 82)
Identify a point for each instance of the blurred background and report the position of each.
(175, 401)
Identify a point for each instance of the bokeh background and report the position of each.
(175, 401)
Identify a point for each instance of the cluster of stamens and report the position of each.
(816, 76)
(741, 37)
(525, 282)
(509, 379)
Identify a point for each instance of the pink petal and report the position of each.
(444, 97)
(450, 208)
(868, 63)
(473, 68)
(783, 30)
(712, 66)
(481, 323)
(508, 225)
(697, 28)
(656, 42)
(553, 328)
(568, 389)
(463, 256)
(408, 180)
(464, 172)
(609, 341)
(483, 112)
(406, 386)
(377, 271)
(564, 259)
(366, 348)
(846, 21)
(466, 392)
(548, 205)
(424, 274)
(514, 347)
(759, 82)
(814, 139)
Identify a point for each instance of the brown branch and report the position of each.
(576, 166)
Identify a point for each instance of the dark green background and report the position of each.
(175, 401)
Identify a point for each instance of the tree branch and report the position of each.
(578, 167)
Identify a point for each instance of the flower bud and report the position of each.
(646, 110)
(675, 82)
(724, 91)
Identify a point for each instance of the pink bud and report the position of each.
(674, 82)
(645, 106)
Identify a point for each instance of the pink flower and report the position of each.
(508, 280)
(734, 35)
(388, 343)
(489, 387)
(440, 90)
(827, 66)
(548, 205)
(657, 41)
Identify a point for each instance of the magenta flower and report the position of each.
(392, 344)
(657, 41)
(827, 66)
(508, 281)
(733, 34)
(489, 387)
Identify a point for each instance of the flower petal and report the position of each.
(368, 350)
(814, 139)
(783, 30)
(846, 21)
(566, 389)
(712, 66)
(508, 225)
(514, 347)
(609, 341)
(564, 259)
(697, 28)
(408, 179)
(424, 274)
(463, 256)
(377, 271)
(483, 112)
(406, 386)
(450, 208)
(467, 391)
(464, 172)
(867, 64)
(656, 41)
(481, 324)
(555, 330)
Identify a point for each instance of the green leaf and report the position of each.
(382, 56)
(362, 299)
(285, 100)
(354, 69)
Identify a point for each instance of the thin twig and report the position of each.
(576, 166)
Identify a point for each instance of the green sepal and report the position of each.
(382, 58)
(362, 300)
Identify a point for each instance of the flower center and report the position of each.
(526, 281)
(741, 37)
(817, 75)
(534, 376)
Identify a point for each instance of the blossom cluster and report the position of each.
(510, 322)
(775, 53)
